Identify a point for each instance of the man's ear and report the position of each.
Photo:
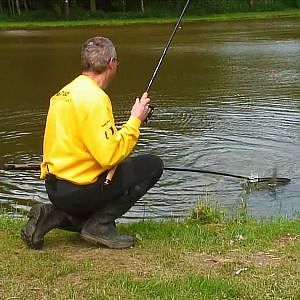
(110, 63)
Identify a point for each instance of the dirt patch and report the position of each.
(214, 263)
(283, 239)
(143, 263)
(265, 259)
(133, 260)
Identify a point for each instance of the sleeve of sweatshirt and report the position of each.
(100, 136)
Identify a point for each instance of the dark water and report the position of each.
(227, 99)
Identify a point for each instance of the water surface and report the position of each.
(227, 99)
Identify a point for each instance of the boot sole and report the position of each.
(98, 240)
(29, 230)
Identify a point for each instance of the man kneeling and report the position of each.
(89, 177)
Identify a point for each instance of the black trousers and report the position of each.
(132, 179)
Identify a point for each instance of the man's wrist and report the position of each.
(134, 121)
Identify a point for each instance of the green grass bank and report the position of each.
(129, 20)
(171, 260)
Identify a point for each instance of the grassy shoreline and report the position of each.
(4, 24)
(171, 260)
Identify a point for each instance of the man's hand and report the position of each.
(141, 108)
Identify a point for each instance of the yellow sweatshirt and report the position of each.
(81, 140)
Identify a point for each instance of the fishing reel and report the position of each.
(151, 109)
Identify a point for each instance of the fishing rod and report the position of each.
(167, 46)
(21, 167)
(163, 56)
(271, 180)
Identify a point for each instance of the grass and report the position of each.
(116, 21)
(171, 260)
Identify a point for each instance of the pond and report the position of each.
(227, 99)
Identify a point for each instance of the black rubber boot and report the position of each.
(101, 230)
(43, 218)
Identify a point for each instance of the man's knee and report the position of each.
(152, 165)
(158, 165)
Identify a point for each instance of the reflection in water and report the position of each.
(226, 98)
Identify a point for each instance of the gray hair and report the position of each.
(96, 53)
